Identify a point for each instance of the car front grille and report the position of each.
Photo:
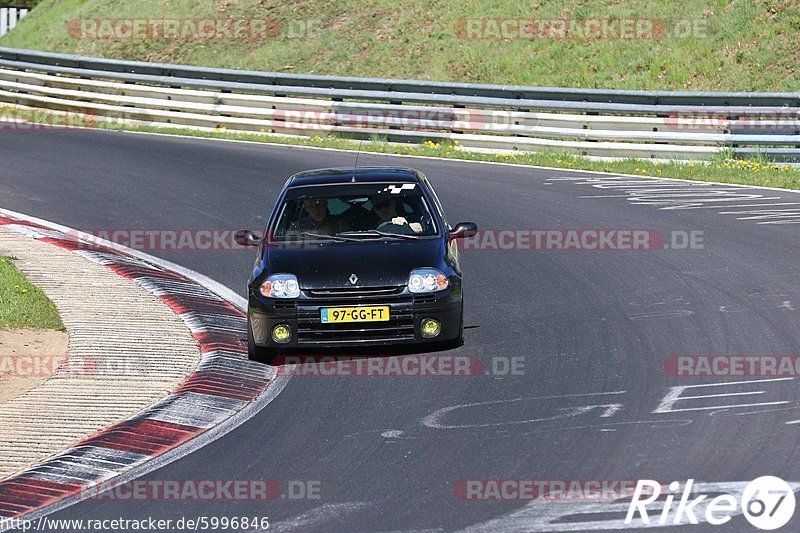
(354, 292)
(284, 305)
(424, 298)
(400, 326)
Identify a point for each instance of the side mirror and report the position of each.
(245, 237)
(464, 230)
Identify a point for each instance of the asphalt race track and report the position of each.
(593, 329)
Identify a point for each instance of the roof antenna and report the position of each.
(358, 153)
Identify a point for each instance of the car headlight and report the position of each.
(427, 280)
(281, 286)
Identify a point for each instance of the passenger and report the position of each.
(319, 219)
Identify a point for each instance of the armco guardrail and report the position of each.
(598, 123)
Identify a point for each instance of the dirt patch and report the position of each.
(27, 358)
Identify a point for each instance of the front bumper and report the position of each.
(407, 311)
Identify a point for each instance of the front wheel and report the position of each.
(255, 352)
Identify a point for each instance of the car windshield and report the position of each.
(354, 212)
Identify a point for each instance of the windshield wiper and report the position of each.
(379, 233)
(329, 237)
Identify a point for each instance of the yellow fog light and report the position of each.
(281, 333)
(430, 328)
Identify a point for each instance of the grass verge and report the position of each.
(23, 305)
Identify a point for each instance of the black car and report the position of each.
(355, 258)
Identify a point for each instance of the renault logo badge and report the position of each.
(353, 279)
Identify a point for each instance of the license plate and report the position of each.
(355, 314)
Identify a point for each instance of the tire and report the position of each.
(255, 352)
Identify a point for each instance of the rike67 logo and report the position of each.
(767, 503)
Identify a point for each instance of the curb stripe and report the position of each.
(144, 436)
(222, 385)
(182, 305)
(25, 492)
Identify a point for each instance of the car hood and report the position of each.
(330, 265)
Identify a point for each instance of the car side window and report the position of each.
(294, 211)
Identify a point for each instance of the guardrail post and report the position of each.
(3, 21)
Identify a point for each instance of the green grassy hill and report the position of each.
(739, 45)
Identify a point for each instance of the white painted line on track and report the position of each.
(434, 419)
(667, 196)
(674, 396)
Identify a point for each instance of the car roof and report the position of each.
(349, 175)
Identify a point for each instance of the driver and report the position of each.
(385, 207)
(319, 219)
